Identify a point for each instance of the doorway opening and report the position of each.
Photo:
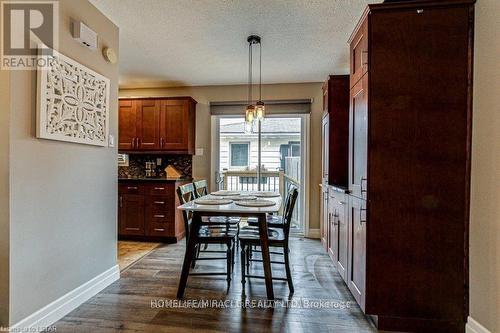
(282, 153)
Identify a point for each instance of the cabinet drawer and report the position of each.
(160, 229)
(166, 189)
(131, 188)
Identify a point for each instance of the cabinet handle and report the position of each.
(341, 202)
(159, 188)
(134, 229)
(160, 202)
(161, 216)
(138, 142)
(121, 201)
(159, 229)
(131, 187)
(335, 219)
(161, 142)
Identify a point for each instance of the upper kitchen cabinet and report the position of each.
(127, 119)
(335, 130)
(157, 125)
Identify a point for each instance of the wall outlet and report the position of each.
(199, 152)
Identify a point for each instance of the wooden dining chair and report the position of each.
(278, 237)
(200, 188)
(210, 233)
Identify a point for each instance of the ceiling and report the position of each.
(203, 42)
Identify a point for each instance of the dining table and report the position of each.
(232, 209)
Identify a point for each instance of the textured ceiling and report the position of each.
(203, 42)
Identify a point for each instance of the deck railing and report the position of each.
(246, 180)
(277, 181)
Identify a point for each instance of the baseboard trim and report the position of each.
(314, 233)
(54, 311)
(474, 326)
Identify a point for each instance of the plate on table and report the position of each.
(266, 194)
(213, 201)
(241, 197)
(255, 203)
(225, 193)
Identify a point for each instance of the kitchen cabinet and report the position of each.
(127, 128)
(148, 118)
(163, 125)
(358, 48)
(408, 169)
(341, 235)
(147, 210)
(356, 249)
(325, 217)
(335, 129)
(358, 136)
(131, 214)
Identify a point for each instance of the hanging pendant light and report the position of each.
(254, 112)
(260, 108)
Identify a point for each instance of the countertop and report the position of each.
(156, 179)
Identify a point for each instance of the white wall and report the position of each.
(4, 196)
(485, 200)
(63, 223)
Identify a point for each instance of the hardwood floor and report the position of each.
(126, 305)
(130, 251)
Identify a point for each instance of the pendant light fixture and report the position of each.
(254, 112)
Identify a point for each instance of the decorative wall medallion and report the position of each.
(72, 102)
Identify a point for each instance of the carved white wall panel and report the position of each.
(72, 102)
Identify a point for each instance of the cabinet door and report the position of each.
(359, 53)
(333, 230)
(174, 124)
(343, 235)
(325, 153)
(356, 269)
(127, 133)
(148, 120)
(131, 214)
(326, 218)
(358, 138)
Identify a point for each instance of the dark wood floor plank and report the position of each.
(125, 306)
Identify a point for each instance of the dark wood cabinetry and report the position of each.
(147, 210)
(414, 172)
(131, 214)
(409, 165)
(335, 129)
(157, 125)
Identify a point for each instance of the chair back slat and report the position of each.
(289, 206)
(186, 193)
(200, 188)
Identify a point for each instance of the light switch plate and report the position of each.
(199, 152)
(111, 141)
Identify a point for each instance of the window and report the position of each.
(239, 154)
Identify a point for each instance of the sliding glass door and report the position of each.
(280, 152)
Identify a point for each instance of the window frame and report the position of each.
(230, 164)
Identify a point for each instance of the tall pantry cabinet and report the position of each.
(410, 121)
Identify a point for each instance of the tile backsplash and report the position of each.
(137, 165)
